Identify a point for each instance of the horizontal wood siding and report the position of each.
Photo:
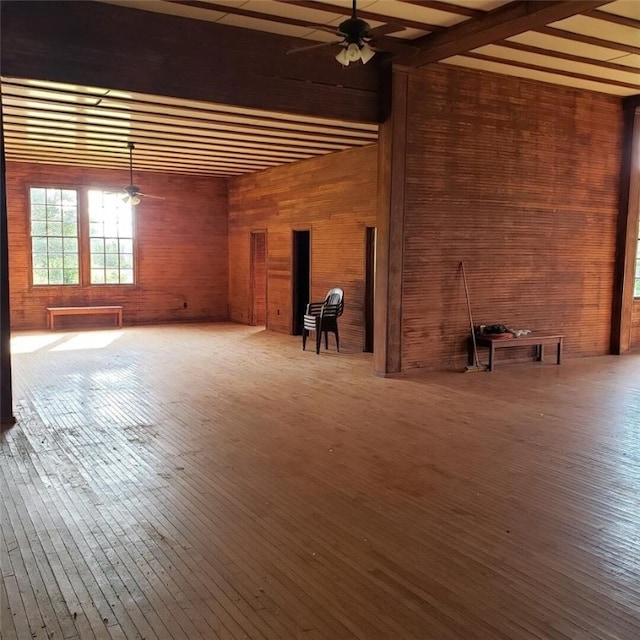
(635, 325)
(181, 245)
(519, 180)
(335, 198)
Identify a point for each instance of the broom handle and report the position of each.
(473, 333)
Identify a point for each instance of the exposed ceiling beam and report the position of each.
(586, 39)
(549, 70)
(504, 22)
(563, 55)
(613, 18)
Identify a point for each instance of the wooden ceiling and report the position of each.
(598, 49)
(90, 126)
(593, 45)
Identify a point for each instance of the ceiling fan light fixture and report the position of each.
(352, 52)
(366, 53)
(342, 58)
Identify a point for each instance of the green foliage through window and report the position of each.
(54, 236)
(63, 229)
(110, 239)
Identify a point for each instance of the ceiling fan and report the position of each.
(357, 39)
(132, 192)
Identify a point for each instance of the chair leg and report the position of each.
(326, 340)
(337, 341)
(318, 339)
(305, 333)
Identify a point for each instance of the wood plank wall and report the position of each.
(335, 198)
(181, 248)
(520, 180)
(635, 325)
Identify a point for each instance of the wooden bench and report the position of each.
(538, 339)
(52, 312)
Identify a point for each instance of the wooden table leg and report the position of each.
(540, 352)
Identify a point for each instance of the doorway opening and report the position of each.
(369, 287)
(258, 304)
(300, 278)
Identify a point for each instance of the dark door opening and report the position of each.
(258, 304)
(369, 287)
(300, 278)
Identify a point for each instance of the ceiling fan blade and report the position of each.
(385, 29)
(318, 45)
(148, 195)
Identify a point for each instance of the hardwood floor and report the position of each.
(215, 481)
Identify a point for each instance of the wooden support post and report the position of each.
(390, 236)
(627, 232)
(6, 388)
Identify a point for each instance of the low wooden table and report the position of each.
(52, 312)
(538, 339)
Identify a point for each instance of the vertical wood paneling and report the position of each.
(181, 245)
(335, 198)
(520, 180)
(259, 278)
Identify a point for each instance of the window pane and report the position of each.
(54, 228)
(70, 198)
(55, 276)
(111, 243)
(54, 196)
(71, 276)
(126, 276)
(54, 214)
(40, 276)
(69, 215)
(69, 229)
(111, 261)
(54, 243)
(126, 261)
(96, 229)
(38, 228)
(113, 276)
(55, 261)
(71, 261)
(38, 212)
(40, 260)
(37, 196)
(97, 261)
(39, 245)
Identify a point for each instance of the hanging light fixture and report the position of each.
(353, 52)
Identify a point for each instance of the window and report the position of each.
(110, 239)
(80, 237)
(54, 236)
